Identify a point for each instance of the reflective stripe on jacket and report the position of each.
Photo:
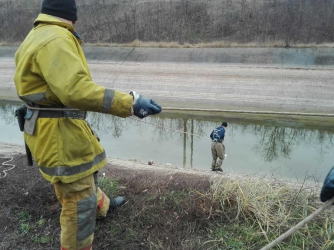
(51, 69)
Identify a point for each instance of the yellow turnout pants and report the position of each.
(82, 202)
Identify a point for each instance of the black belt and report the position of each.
(55, 111)
(220, 141)
(64, 113)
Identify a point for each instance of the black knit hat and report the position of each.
(66, 9)
(224, 124)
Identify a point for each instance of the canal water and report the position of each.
(284, 150)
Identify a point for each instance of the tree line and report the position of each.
(260, 22)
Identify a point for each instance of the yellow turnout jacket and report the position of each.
(51, 69)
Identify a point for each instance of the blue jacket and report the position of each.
(218, 134)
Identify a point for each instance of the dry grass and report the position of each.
(5, 44)
(267, 205)
(217, 44)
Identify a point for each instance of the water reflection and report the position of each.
(279, 142)
(284, 149)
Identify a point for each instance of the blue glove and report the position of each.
(327, 190)
(143, 107)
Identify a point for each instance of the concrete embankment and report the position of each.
(316, 58)
(249, 79)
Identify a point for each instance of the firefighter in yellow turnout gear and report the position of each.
(53, 79)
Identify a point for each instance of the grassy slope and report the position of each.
(170, 209)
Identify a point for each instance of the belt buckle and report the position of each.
(75, 114)
(67, 114)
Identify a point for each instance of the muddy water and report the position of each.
(274, 148)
